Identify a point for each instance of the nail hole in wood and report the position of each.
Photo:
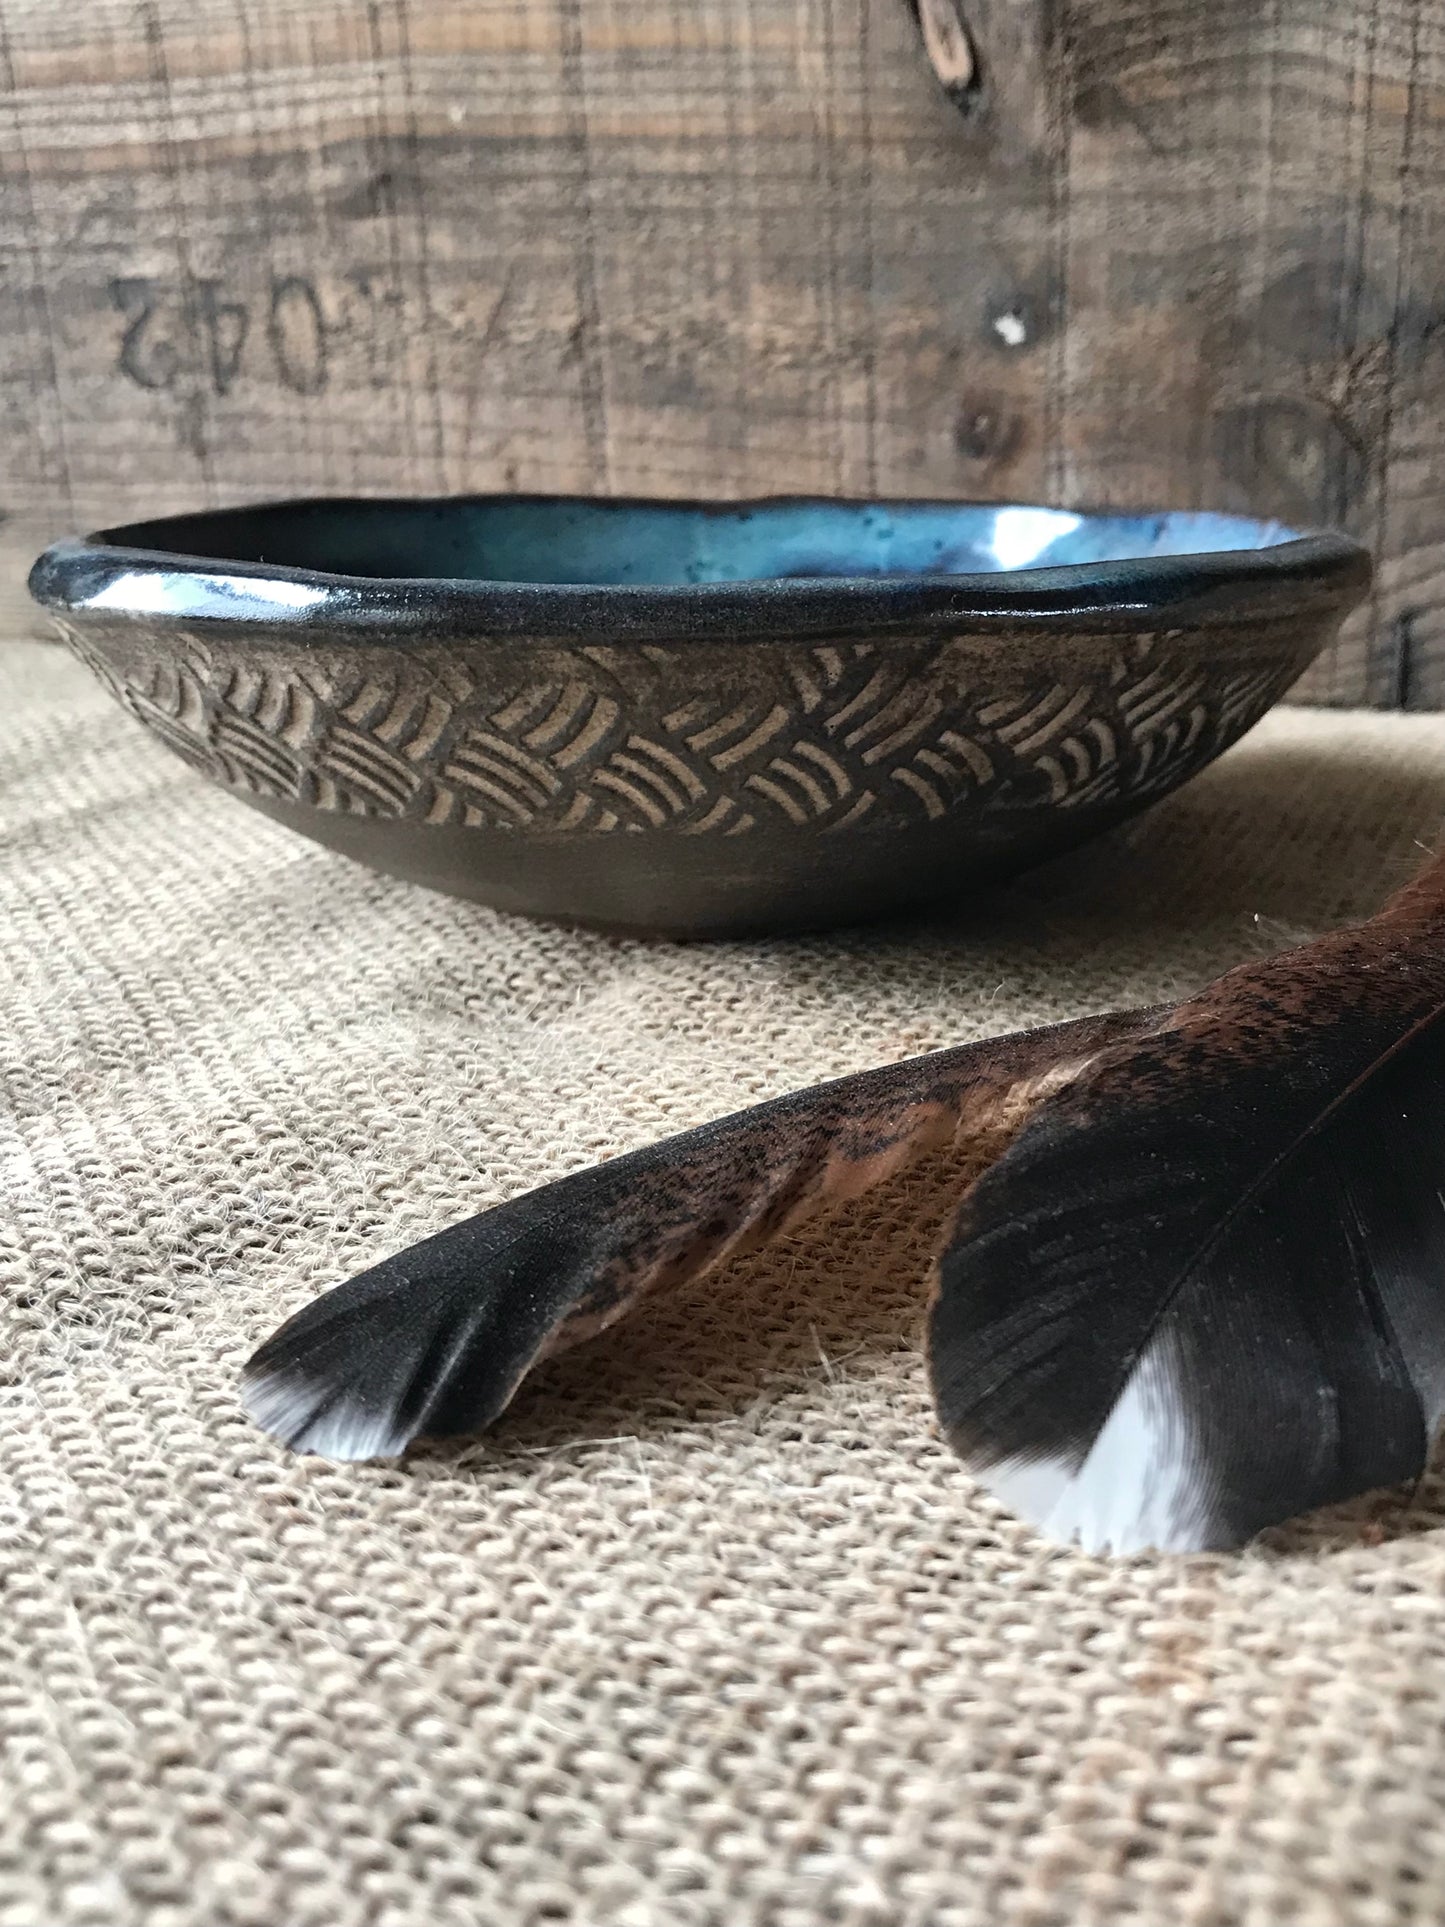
(1011, 328)
(1406, 679)
(951, 52)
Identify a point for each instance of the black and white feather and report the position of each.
(1204, 1288)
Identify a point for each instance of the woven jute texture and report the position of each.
(712, 1629)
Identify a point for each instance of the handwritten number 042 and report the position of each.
(158, 321)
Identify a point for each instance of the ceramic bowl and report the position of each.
(698, 720)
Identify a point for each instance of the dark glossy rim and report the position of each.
(1314, 571)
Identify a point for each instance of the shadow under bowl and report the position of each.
(698, 719)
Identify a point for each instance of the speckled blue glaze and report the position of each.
(698, 719)
(607, 544)
(599, 544)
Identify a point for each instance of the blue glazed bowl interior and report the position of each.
(635, 544)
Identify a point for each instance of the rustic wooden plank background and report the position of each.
(1175, 251)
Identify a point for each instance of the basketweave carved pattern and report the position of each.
(594, 744)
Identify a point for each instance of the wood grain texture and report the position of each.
(1170, 254)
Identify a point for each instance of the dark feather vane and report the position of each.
(437, 1340)
(1204, 1288)
(1196, 1284)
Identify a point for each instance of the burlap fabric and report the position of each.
(713, 1630)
